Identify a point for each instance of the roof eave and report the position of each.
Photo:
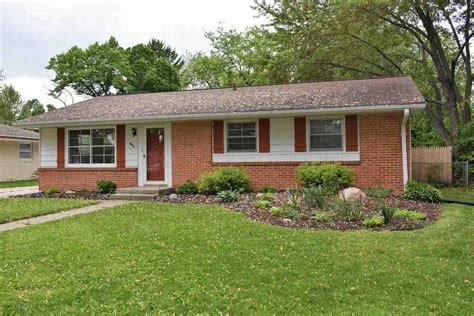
(225, 115)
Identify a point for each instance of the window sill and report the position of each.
(75, 166)
(287, 157)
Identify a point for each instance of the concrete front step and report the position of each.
(133, 197)
(140, 193)
(145, 190)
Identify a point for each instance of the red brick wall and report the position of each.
(85, 178)
(380, 152)
(192, 150)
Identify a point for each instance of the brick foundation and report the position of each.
(85, 178)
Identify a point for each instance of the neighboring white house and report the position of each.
(19, 153)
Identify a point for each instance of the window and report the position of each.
(241, 137)
(92, 146)
(25, 151)
(325, 134)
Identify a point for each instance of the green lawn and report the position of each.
(23, 183)
(464, 194)
(17, 208)
(188, 259)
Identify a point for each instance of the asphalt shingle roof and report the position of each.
(296, 96)
(17, 133)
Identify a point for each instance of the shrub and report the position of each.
(373, 221)
(386, 210)
(267, 196)
(268, 189)
(331, 177)
(315, 197)
(411, 215)
(224, 179)
(323, 217)
(228, 195)
(419, 191)
(378, 192)
(188, 187)
(350, 210)
(51, 190)
(285, 212)
(262, 203)
(294, 197)
(106, 186)
(276, 211)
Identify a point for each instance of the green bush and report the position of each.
(324, 217)
(262, 203)
(267, 196)
(386, 210)
(378, 192)
(268, 189)
(188, 187)
(294, 197)
(315, 197)
(228, 195)
(350, 210)
(331, 177)
(285, 212)
(224, 179)
(373, 221)
(411, 215)
(419, 191)
(106, 186)
(51, 190)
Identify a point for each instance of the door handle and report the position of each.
(144, 155)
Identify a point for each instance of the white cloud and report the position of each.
(34, 31)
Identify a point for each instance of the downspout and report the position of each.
(404, 146)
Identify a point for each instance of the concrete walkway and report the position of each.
(56, 216)
(7, 192)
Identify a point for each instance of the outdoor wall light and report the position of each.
(134, 132)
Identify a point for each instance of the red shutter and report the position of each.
(352, 134)
(300, 134)
(120, 146)
(218, 134)
(60, 147)
(264, 135)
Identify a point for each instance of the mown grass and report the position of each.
(187, 259)
(12, 209)
(464, 194)
(22, 183)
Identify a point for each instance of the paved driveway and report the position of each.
(6, 192)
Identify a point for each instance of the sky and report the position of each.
(34, 31)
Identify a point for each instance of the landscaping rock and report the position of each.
(259, 195)
(69, 192)
(352, 194)
(173, 196)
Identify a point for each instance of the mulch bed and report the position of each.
(84, 195)
(246, 205)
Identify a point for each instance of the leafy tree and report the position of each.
(207, 71)
(429, 40)
(149, 72)
(165, 51)
(10, 105)
(50, 107)
(105, 69)
(97, 70)
(31, 108)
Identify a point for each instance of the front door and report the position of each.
(155, 161)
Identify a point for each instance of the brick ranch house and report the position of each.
(169, 138)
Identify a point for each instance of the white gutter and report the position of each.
(225, 115)
(404, 146)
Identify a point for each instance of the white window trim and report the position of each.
(308, 136)
(31, 151)
(241, 152)
(91, 165)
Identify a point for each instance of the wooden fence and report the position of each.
(432, 164)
